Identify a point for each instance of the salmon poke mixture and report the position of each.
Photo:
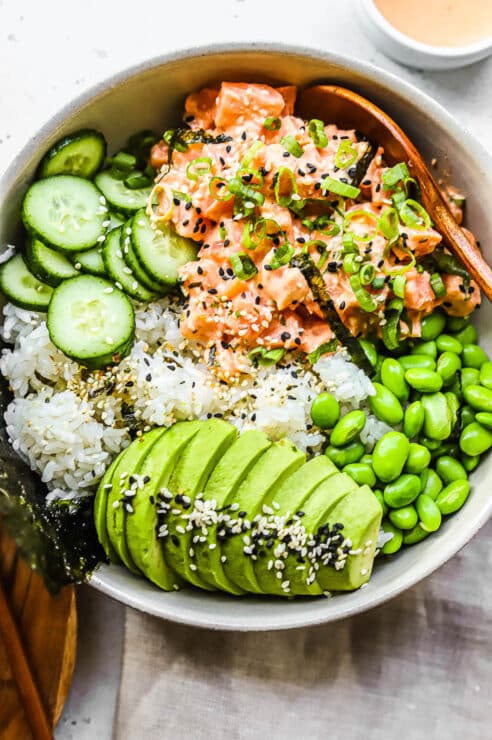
(247, 344)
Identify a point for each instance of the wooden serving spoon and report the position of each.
(350, 110)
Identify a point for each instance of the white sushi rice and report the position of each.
(69, 428)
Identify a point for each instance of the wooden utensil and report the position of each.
(39, 659)
(349, 110)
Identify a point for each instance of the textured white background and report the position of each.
(51, 50)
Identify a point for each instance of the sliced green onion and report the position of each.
(378, 283)
(246, 192)
(437, 285)
(401, 269)
(322, 223)
(394, 175)
(366, 301)
(255, 231)
(263, 356)
(181, 196)
(285, 177)
(338, 187)
(351, 264)
(414, 215)
(346, 155)
(123, 162)
(248, 173)
(282, 256)
(316, 129)
(291, 145)
(389, 225)
(399, 285)
(323, 349)
(391, 328)
(351, 215)
(217, 187)
(348, 244)
(243, 266)
(367, 273)
(250, 153)
(198, 167)
(272, 124)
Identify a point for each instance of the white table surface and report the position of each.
(52, 50)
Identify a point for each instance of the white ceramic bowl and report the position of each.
(151, 96)
(413, 53)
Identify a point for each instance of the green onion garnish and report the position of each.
(401, 269)
(255, 231)
(316, 129)
(366, 301)
(367, 273)
(263, 356)
(394, 175)
(291, 145)
(414, 215)
(338, 187)
(250, 176)
(389, 225)
(222, 232)
(399, 285)
(377, 283)
(391, 328)
(437, 285)
(248, 193)
(198, 167)
(351, 264)
(322, 223)
(272, 124)
(123, 162)
(351, 215)
(243, 266)
(281, 256)
(136, 180)
(323, 349)
(348, 244)
(285, 181)
(181, 196)
(250, 153)
(346, 155)
(217, 187)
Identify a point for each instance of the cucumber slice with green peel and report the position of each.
(132, 262)
(91, 321)
(47, 264)
(121, 197)
(100, 508)
(90, 261)
(160, 250)
(81, 153)
(115, 220)
(119, 271)
(290, 499)
(123, 488)
(142, 526)
(21, 287)
(65, 212)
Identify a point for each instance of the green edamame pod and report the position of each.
(389, 456)
(432, 326)
(478, 397)
(475, 439)
(413, 419)
(469, 376)
(393, 377)
(447, 343)
(366, 459)
(437, 418)
(342, 456)
(418, 459)
(468, 335)
(370, 351)
(385, 405)
(453, 497)
(448, 365)
(404, 518)
(486, 375)
(380, 498)
(348, 428)
(474, 356)
(417, 534)
(449, 469)
(395, 543)
(426, 348)
(429, 513)
(456, 323)
(485, 419)
(362, 474)
(325, 411)
(470, 463)
(467, 415)
(431, 485)
(408, 362)
(402, 491)
(425, 381)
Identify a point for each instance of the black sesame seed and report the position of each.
(285, 336)
(175, 540)
(188, 206)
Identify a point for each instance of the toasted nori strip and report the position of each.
(362, 164)
(314, 279)
(186, 136)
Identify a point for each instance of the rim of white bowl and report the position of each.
(322, 611)
(442, 52)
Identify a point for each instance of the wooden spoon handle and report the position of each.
(26, 685)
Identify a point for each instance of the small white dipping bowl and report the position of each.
(413, 53)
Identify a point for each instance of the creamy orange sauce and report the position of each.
(440, 22)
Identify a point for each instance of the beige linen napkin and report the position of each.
(418, 668)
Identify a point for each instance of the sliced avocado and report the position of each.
(360, 513)
(128, 463)
(289, 499)
(277, 464)
(100, 506)
(226, 477)
(189, 479)
(144, 544)
(318, 509)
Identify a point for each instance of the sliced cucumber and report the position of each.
(21, 287)
(121, 197)
(115, 220)
(120, 272)
(47, 264)
(160, 250)
(132, 262)
(91, 321)
(66, 212)
(90, 261)
(81, 153)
